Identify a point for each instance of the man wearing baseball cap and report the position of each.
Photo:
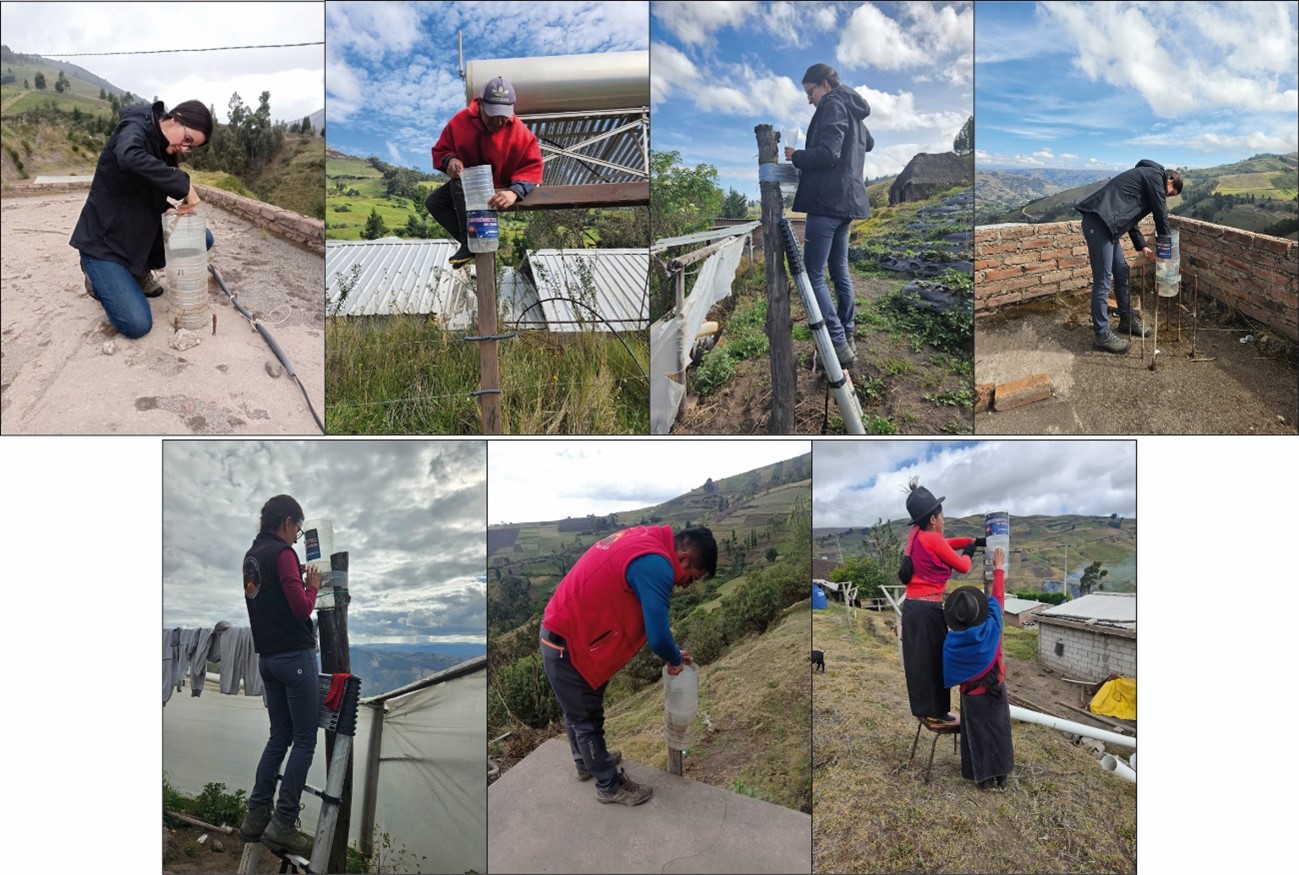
(485, 132)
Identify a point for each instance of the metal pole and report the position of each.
(779, 322)
(489, 383)
(336, 658)
(370, 795)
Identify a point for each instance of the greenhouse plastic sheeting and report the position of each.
(1117, 698)
(432, 796)
(668, 354)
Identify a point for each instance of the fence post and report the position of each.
(489, 382)
(336, 657)
(779, 322)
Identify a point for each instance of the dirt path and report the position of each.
(58, 375)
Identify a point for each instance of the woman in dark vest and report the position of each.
(832, 192)
(928, 562)
(279, 604)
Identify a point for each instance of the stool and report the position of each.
(953, 729)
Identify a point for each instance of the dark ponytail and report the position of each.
(275, 510)
(818, 73)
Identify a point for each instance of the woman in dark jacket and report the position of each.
(832, 192)
(119, 234)
(279, 605)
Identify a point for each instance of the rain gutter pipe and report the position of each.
(270, 341)
(1111, 763)
(840, 382)
(1041, 719)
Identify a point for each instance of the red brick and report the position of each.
(983, 396)
(993, 276)
(1018, 393)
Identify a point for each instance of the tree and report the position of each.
(867, 573)
(681, 199)
(1091, 577)
(964, 142)
(374, 226)
(40, 81)
(735, 205)
(306, 124)
(103, 95)
(772, 554)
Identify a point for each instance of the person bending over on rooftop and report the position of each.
(972, 660)
(928, 562)
(612, 601)
(279, 604)
(119, 233)
(1107, 214)
(485, 132)
(832, 192)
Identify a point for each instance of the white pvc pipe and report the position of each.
(1132, 761)
(1082, 729)
(1113, 764)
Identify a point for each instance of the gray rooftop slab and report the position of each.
(540, 818)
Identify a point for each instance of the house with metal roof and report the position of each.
(1020, 612)
(1089, 637)
(582, 290)
(393, 276)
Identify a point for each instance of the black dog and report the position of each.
(818, 660)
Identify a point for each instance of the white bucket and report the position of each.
(185, 241)
(996, 528)
(318, 544)
(680, 705)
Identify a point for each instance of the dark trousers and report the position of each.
(987, 750)
(583, 718)
(446, 204)
(1106, 256)
(292, 704)
(923, 633)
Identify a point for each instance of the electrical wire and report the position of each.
(169, 51)
(614, 331)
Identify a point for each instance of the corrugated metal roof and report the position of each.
(392, 276)
(581, 134)
(1113, 608)
(1019, 606)
(518, 302)
(615, 282)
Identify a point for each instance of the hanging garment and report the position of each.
(239, 662)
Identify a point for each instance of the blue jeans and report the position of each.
(292, 703)
(1105, 254)
(825, 243)
(121, 295)
(583, 718)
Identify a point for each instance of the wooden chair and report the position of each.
(937, 728)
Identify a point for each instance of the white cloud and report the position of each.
(695, 23)
(897, 112)
(670, 70)
(932, 39)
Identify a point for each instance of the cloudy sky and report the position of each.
(409, 513)
(295, 77)
(1105, 84)
(393, 67)
(856, 483)
(719, 69)
(530, 481)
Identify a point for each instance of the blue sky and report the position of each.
(855, 483)
(719, 69)
(409, 513)
(392, 68)
(1103, 85)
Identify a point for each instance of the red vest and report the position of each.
(596, 611)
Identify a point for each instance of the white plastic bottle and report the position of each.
(480, 219)
(680, 705)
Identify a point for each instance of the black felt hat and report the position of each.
(921, 503)
(965, 608)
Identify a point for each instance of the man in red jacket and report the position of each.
(485, 132)
(612, 601)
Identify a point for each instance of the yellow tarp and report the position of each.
(1117, 698)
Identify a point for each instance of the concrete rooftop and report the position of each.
(540, 818)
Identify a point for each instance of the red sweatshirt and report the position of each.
(512, 151)
(934, 558)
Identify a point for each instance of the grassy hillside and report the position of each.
(1037, 546)
(874, 813)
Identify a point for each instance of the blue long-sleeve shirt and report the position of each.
(650, 577)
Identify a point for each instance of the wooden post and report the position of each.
(489, 381)
(370, 796)
(335, 657)
(674, 761)
(779, 322)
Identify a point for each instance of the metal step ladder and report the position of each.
(343, 724)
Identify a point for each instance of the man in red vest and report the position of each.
(612, 601)
(485, 132)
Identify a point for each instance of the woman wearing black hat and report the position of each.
(928, 562)
(972, 659)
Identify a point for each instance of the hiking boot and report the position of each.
(150, 285)
(1138, 329)
(1111, 342)
(629, 793)
(90, 287)
(255, 822)
(283, 838)
(584, 775)
(844, 352)
(462, 256)
(1003, 781)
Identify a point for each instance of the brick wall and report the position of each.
(1090, 652)
(303, 230)
(1252, 273)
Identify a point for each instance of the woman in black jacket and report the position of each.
(832, 192)
(119, 233)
